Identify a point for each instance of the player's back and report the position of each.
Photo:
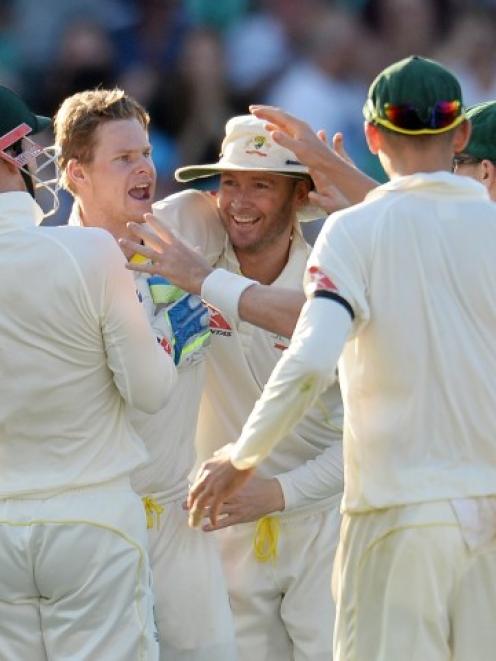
(62, 421)
(419, 381)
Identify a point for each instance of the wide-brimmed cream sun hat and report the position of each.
(249, 147)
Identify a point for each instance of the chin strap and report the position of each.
(29, 182)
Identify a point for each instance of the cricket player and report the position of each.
(75, 349)
(106, 164)
(403, 285)
(478, 158)
(278, 567)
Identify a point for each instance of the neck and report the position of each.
(405, 161)
(95, 217)
(264, 265)
(412, 166)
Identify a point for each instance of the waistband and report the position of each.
(116, 484)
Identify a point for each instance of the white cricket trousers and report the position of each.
(192, 611)
(75, 577)
(283, 608)
(409, 588)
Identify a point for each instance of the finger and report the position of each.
(195, 517)
(197, 485)
(132, 246)
(320, 179)
(338, 146)
(139, 248)
(329, 203)
(146, 267)
(222, 522)
(145, 234)
(276, 116)
(286, 140)
(165, 233)
(228, 507)
(215, 505)
(322, 135)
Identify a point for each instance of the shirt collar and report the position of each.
(75, 217)
(439, 182)
(19, 209)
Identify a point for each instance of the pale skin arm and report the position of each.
(256, 498)
(273, 309)
(333, 165)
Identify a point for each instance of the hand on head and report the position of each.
(309, 147)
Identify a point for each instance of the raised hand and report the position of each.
(166, 255)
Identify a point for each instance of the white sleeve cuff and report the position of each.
(287, 491)
(223, 289)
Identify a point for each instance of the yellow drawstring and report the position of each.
(152, 508)
(266, 539)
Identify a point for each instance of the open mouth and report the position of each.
(245, 220)
(140, 192)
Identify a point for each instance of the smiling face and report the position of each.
(118, 183)
(258, 209)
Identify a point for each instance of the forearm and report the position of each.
(348, 179)
(272, 308)
(302, 374)
(315, 480)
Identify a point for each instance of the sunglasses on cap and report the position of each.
(440, 116)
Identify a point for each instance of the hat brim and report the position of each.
(42, 123)
(306, 214)
(190, 172)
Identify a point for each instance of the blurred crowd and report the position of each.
(195, 63)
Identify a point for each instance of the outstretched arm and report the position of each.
(272, 308)
(304, 371)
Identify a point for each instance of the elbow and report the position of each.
(312, 368)
(154, 396)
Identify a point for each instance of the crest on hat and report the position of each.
(256, 144)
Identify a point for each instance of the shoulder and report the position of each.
(85, 246)
(186, 202)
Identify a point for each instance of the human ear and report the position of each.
(75, 172)
(373, 137)
(462, 136)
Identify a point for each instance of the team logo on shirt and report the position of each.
(165, 344)
(319, 280)
(280, 342)
(217, 324)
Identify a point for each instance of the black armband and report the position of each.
(333, 296)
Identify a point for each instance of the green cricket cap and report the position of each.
(415, 96)
(14, 111)
(482, 142)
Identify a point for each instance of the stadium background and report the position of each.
(195, 63)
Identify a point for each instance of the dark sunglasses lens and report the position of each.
(445, 113)
(404, 117)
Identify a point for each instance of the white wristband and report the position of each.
(223, 289)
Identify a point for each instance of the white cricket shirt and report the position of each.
(75, 347)
(169, 433)
(416, 264)
(239, 361)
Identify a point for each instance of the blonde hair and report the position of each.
(81, 114)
